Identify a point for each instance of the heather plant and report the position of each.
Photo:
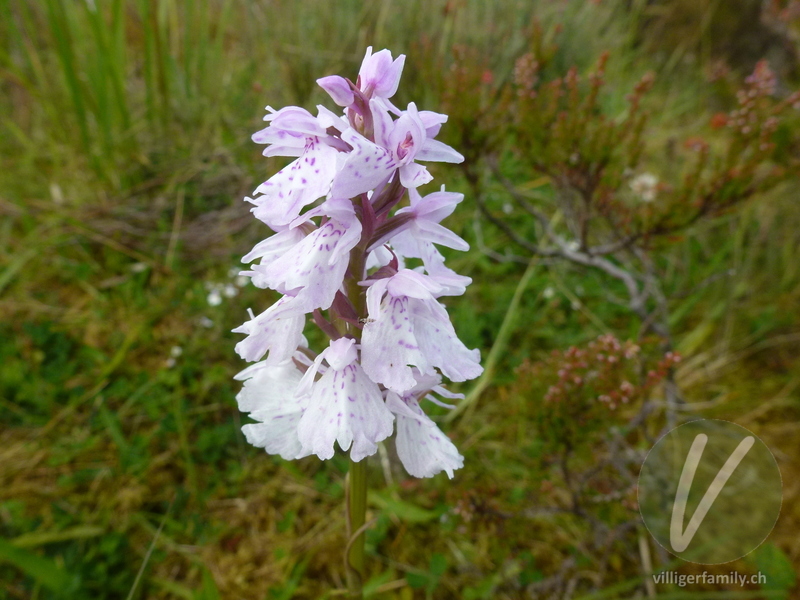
(563, 179)
(590, 405)
(343, 261)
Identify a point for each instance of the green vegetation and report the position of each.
(124, 154)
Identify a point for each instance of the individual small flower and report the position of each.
(338, 88)
(269, 396)
(425, 214)
(451, 282)
(408, 327)
(378, 77)
(398, 143)
(421, 446)
(269, 250)
(312, 270)
(295, 132)
(277, 331)
(379, 74)
(344, 406)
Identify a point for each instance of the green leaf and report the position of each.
(417, 580)
(777, 569)
(47, 573)
(371, 586)
(438, 564)
(209, 590)
(410, 513)
(34, 539)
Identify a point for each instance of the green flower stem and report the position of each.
(356, 515)
(357, 475)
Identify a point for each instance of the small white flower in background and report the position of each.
(548, 292)
(174, 353)
(239, 280)
(214, 297)
(138, 267)
(205, 322)
(645, 185)
(218, 291)
(573, 245)
(364, 165)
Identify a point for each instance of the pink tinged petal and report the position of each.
(432, 122)
(452, 283)
(375, 296)
(380, 75)
(387, 105)
(438, 341)
(445, 393)
(342, 212)
(407, 136)
(436, 206)
(296, 185)
(269, 396)
(406, 244)
(388, 346)
(341, 353)
(436, 151)
(347, 407)
(338, 89)
(270, 249)
(431, 383)
(313, 270)
(275, 245)
(413, 175)
(421, 446)
(413, 284)
(437, 234)
(288, 131)
(327, 118)
(382, 124)
(295, 120)
(366, 166)
(379, 257)
(278, 330)
(284, 150)
(388, 85)
(283, 143)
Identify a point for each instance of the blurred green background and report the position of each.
(125, 152)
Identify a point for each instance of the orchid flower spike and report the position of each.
(346, 215)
